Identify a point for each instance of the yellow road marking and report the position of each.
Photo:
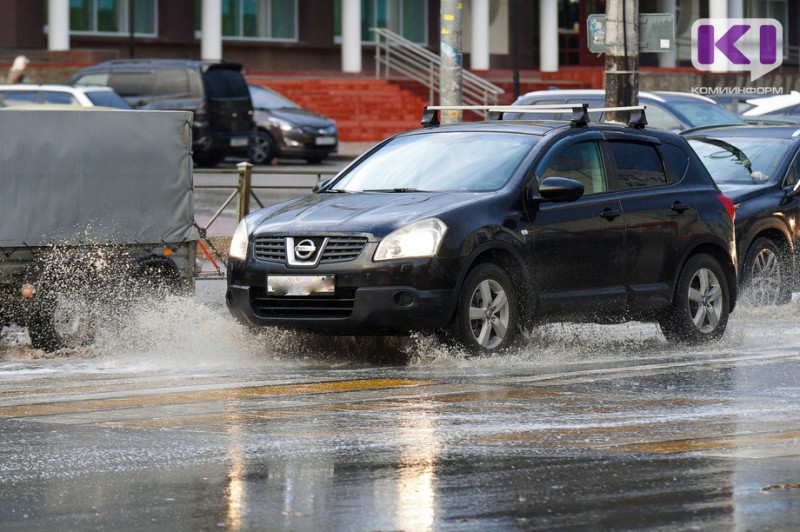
(88, 405)
(704, 444)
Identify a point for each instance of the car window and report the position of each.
(438, 162)
(107, 99)
(638, 164)
(12, 97)
(581, 161)
(174, 82)
(58, 97)
(267, 99)
(132, 83)
(702, 113)
(225, 83)
(677, 161)
(660, 118)
(740, 160)
(100, 79)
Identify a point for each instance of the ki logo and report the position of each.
(752, 45)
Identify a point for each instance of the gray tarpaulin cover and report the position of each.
(95, 177)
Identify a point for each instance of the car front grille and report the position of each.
(339, 305)
(337, 248)
(327, 131)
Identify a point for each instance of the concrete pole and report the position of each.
(451, 81)
(211, 30)
(351, 36)
(717, 8)
(480, 35)
(622, 56)
(735, 9)
(669, 59)
(57, 25)
(548, 35)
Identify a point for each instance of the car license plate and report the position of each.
(325, 141)
(238, 142)
(300, 285)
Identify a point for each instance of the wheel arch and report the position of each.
(777, 234)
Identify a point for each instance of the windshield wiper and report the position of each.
(727, 146)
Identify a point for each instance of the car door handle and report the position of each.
(610, 214)
(679, 207)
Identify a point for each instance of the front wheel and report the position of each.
(699, 311)
(765, 275)
(486, 316)
(262, 149)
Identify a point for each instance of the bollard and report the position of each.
(245, 175)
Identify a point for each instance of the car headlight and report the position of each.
(417, 240)
(287, 127)
(239, 242)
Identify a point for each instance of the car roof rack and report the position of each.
(580, 112)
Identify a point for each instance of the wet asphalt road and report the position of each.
(179, 419)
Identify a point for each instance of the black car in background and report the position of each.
(671, 111)
(757, 167)
(216, 93)
(478, 229)
(287, 131)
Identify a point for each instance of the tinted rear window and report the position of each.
(225, 83)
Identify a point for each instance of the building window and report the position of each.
(408, 18)
(254, 19)
(112, 16)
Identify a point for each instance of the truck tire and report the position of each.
(61, 321)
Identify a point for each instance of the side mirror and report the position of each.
(322, 184)
(560, 189)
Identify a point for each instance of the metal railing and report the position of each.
(396, 55)
(244, 191)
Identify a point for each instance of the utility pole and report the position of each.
(451, 80)
(622, 56)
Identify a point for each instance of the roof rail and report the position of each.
(580, 112)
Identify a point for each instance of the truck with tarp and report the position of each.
(96, 209)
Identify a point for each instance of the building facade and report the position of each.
(308, 35)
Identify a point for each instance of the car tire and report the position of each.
(486, 318)
(207, 159)
(262, 149)
(61, 320)
(699, 311)
(765, 278)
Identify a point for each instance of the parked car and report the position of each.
(20, 94)
(671, 111)
(476, 229)
(216, 93)
(758, 168)
(780, 105)
(287, 131)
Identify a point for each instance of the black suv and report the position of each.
(477, 229)
(216, 92)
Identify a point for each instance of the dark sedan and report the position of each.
(757, 167)
(287, 131)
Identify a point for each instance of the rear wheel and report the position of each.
(486, 318)
(699, 311)
(766, 275)
(61, 321)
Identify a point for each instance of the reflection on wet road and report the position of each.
(182, 420)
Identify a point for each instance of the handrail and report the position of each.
(245, 190)
(396, 54)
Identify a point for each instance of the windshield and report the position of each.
(740, 160)
(700, 113)
(448, 161)
(267, 99)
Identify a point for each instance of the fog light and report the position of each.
(27, 291)
(404, 299)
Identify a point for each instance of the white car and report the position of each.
(779, 105)
(24, 94)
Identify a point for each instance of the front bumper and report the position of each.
(390, 296)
